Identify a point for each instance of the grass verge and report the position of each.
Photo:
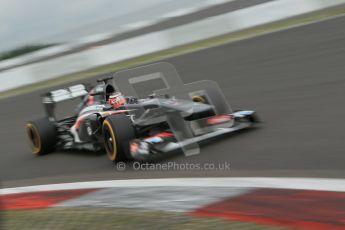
(216, 41)
(114, 218)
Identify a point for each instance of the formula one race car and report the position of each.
(175, 117)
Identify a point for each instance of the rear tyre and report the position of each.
(42, 136)
(117, 132)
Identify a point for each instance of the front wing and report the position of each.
(164, 143)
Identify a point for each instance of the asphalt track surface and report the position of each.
(295, 79)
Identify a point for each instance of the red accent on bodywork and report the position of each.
(134, 147)
(161, 136)
(219, 119)
(164, 134)
(36, 200)
(304, 209)
(91, 99)
(79, 122)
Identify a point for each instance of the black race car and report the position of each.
(173, 118)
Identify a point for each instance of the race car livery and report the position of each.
(111, 116)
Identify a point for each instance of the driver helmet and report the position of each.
(116, 100)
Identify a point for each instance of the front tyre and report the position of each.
(42, 136)
(117, 132)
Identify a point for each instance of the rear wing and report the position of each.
(51, 98)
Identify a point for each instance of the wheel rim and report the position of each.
(109, 140)
(34, 138)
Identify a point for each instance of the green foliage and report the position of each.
(21, 50)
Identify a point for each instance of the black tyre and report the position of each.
(253, 118)
(42, 136)
(117, 132)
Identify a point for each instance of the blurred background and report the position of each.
(282, 58)
(57, 22)
(46, 40)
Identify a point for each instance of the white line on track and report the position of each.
(321, 184)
